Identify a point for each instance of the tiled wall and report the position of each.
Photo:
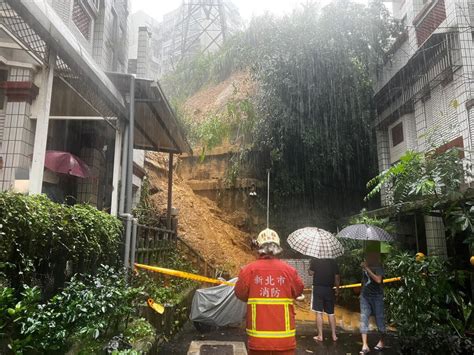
(383, 152)
(409, 137)
(110, 45)
(63, 8)
(18, 136)
(2, 125)
(143, 54)
(106, 43)
(408, 8)
(302, 266)
(441, 115)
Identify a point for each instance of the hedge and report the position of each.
(42, 242)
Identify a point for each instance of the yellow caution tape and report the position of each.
(156, 306)
(195, 277)
(183, 274)
(385, 281)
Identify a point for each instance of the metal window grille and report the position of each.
(81, 19)
(66, 69)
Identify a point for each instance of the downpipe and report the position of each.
(134, 241)
(128, 236)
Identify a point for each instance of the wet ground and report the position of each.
(348, 343)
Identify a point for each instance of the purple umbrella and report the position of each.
(66, 163)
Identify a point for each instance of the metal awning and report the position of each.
(156, 125)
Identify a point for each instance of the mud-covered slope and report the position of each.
(201, 222)
(214, 98)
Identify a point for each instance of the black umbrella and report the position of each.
(365, 232)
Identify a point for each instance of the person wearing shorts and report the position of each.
(325, 274)
(371, 299)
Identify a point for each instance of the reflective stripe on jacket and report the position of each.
(269, 287)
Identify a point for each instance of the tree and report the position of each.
(315, 100)
(433, 179)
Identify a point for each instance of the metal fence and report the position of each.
(153, 245)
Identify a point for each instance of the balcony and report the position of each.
(429, 19)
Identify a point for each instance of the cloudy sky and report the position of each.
(248, 8)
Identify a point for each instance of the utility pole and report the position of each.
(268, 198)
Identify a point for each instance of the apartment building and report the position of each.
(64, 87)
(424, 90)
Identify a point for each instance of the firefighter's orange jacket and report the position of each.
(269, 286)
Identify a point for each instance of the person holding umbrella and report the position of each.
(371, 297)
(324, 248)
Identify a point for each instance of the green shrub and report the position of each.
(140, 333)
(425, 305)
(40, 238)
(89, 307)
(165, 289)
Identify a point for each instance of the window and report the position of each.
(3, 78)
(81, 19)
(397, 134)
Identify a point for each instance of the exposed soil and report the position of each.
(201, 222)
(214, 98)
(214, 233)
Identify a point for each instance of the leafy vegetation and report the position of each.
(145, 211)
(234, 124)
(314, 105)
(383, 223)
(316, 98)
(47, 306)
(89, 307)
(40, 239)
(433, 179)
(429, 309)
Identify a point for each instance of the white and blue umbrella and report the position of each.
(366, 232)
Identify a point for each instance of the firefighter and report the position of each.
(269, 286)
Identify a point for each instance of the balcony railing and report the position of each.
(434, 62)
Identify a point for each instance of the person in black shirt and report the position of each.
(325, 274)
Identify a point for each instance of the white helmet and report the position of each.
(268, 236)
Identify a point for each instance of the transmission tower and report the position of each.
(203, 26)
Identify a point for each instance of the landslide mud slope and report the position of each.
(201, 222)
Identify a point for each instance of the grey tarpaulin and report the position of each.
(217, 306)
